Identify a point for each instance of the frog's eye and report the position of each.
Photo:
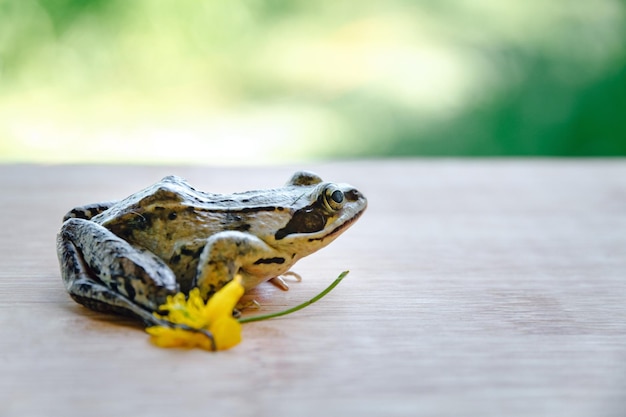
(333, 198)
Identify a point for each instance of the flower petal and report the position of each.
(224, 301)
(169, 337)
(215, 317)
(226, 332)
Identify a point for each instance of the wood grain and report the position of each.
(477, 288)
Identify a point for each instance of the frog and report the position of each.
(127, 256)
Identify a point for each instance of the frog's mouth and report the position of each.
(341, 227)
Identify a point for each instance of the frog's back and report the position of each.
(171, 192)
(171, 213)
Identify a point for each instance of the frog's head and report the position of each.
(324, 210)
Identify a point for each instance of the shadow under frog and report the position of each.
(128, 256)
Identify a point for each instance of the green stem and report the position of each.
(299, 306)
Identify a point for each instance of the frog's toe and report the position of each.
(295, 276)
(280, 282)
(247, 305)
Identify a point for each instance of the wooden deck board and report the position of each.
(477, 288)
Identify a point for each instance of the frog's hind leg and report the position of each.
(106, 273)
(97, 297)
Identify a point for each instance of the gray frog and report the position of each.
(128, 256)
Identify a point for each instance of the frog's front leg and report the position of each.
(106, 273)
(230, 252)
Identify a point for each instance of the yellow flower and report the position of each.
(209, 326)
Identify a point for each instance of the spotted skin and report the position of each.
(88, 211)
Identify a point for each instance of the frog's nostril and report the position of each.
(352, 195)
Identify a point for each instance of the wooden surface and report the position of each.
(477, 288)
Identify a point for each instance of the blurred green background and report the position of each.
(254, 81)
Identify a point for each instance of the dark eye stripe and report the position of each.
(310, 219)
